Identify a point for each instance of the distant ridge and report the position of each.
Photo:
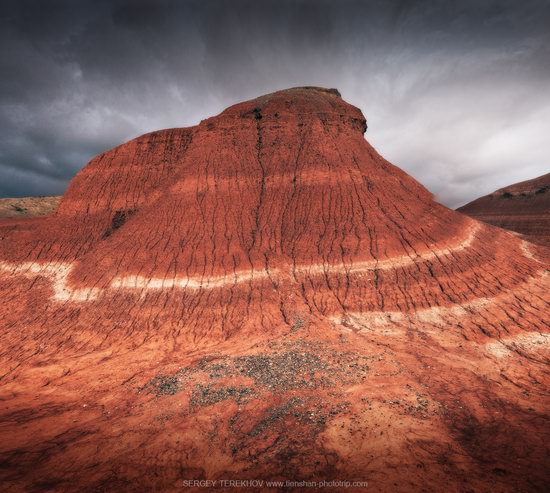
(523, 207)
(28, 206)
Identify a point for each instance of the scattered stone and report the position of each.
(206, 395)
(163, 385)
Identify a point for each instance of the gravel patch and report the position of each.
(286, 366)
(207, 395)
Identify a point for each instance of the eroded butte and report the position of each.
(263, 296)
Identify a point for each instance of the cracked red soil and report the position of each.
(264, 296)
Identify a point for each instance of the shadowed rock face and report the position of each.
(523, 207)
(264, 296)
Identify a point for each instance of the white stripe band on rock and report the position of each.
(58, 273)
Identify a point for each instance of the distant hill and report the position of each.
(523, 207)
(28, 206)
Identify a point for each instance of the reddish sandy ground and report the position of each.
(263, 296)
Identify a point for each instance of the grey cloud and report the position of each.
(455, 92)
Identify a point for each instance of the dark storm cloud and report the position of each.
(456, 93)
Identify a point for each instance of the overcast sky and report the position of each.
(457, 93)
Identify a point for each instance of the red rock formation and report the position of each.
(263, 296)
(523, 207)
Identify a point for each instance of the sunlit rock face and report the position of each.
(264, 296)
(523, 207)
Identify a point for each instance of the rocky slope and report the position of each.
(263, 296)
(28, 206)
(523, 207)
